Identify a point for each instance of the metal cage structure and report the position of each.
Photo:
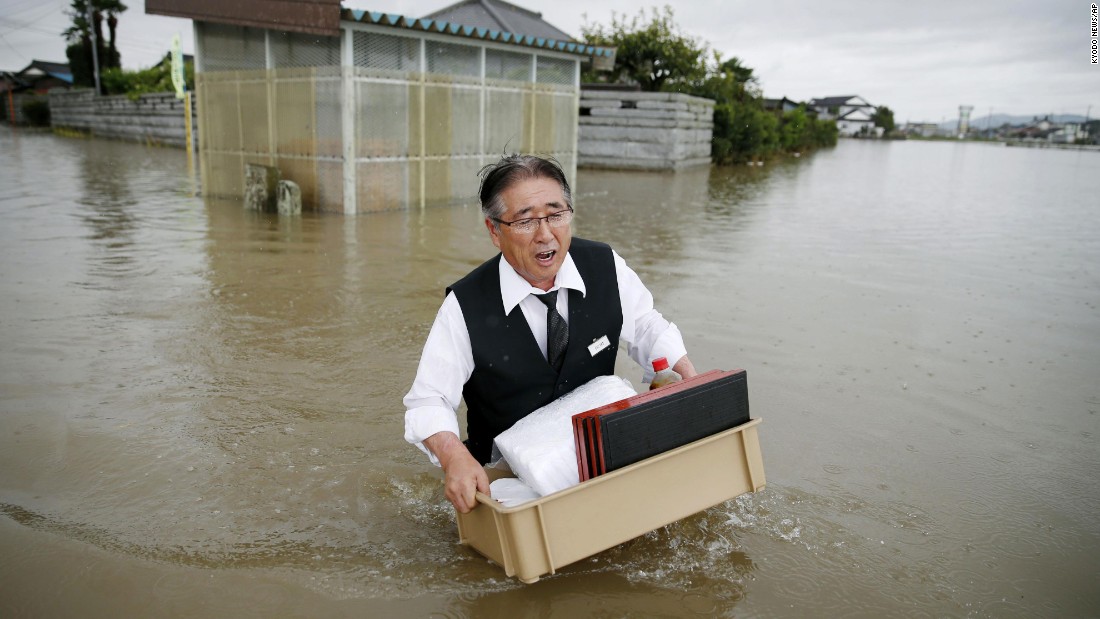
(380, 117)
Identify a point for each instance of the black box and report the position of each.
(624, 432)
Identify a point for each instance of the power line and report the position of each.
(48, 11)
(17, 27)
(17, 53)
(31, 5)
(26, 23)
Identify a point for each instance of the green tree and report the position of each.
(79, 36)
(728, 80)
(37, 112)
(157, 78)
(651, 50)
(794, 130)
(823, 132)
(884, 117)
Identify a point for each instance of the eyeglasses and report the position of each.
(527, 226)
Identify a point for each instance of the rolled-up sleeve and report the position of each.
(646, 332)
(445, 365)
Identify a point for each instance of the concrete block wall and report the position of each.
(643, 130)
(154, 118)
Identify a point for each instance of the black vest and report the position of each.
(511, 378)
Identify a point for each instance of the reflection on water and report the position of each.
(197, 394)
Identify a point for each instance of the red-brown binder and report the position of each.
(624, 432)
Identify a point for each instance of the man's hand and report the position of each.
(463, 475)
(684, 368)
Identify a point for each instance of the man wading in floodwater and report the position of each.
(516, 334)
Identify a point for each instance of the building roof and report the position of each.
(427, 24)
(856, 115)
(838, 101)
(32, 74)
(491, 20)
(42, 68)
(775, 104)
(499, 15)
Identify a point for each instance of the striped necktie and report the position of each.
(557, 331)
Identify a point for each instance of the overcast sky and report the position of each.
(921, 59)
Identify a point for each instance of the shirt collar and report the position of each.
(514, 289)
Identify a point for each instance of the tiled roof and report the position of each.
(833, 101)
(499, 15)
(425, 24)
(60, 70)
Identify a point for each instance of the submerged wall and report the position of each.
(643, 130)
(154, 118)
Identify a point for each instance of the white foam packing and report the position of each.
(511, 491)
(540, 448)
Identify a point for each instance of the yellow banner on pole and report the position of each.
(177, 68)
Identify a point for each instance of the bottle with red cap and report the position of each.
(665, 375)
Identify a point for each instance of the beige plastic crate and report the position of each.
(540, 536)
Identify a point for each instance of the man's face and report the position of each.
(538, 255)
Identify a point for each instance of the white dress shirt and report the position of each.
(447, 361)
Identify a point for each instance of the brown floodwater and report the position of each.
(200, 406)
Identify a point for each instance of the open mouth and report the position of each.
(546, 256)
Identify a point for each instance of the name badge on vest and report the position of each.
(598, 345)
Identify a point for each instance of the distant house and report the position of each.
(852, 113)
(780, 106)
(920, 129)
(369, 111)
(832, 108)
(33, 81)
(41, 76)
(1043, 130)
(1030, 132)
(1068, 133)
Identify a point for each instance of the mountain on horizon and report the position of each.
(998, 120)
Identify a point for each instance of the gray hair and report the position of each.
(496, 178)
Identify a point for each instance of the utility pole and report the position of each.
(95, 47)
